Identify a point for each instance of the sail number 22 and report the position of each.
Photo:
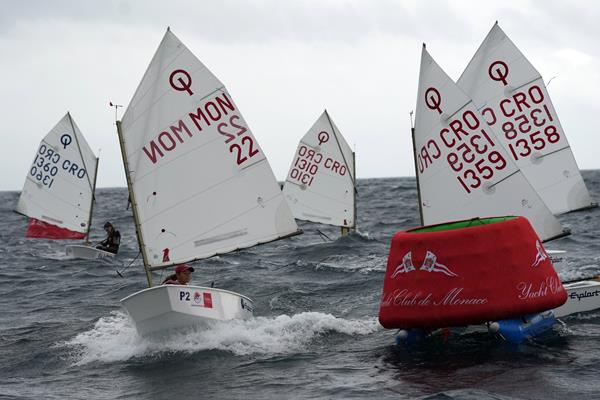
(244, 148)
(219, 110)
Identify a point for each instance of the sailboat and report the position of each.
(465, 181)
(462, 169)
(431, 137)
(512, 97)
(58, 194)
(321, 183)
(199, 184)
(472, 200)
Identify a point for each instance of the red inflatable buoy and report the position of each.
(467, 272)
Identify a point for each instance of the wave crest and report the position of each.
(114, 338)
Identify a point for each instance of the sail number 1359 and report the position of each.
(475, 161)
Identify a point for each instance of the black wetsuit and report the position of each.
(111, 243)
(171, 280)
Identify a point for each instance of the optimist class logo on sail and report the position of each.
(216, 112)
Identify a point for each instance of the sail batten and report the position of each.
(202, 184)
(216, 254)
(514, 100)
(463, 171)
(221, 223)
(57, 195)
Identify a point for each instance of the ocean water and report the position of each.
(63, 334)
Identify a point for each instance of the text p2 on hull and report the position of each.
(168, 307)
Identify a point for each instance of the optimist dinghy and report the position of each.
(321, 183)
(58, 195)
(462, 169)
(457, 141)
(514, 100)
(199, 184)
(87, 252)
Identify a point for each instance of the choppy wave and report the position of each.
(114, 338)
(364, 265)
(50, 348)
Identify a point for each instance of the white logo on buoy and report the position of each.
(541, 254)
(406, 265)
(430, 264)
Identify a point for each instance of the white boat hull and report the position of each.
(582, 296)
(86, 252)
(558, 258)
(166, 307)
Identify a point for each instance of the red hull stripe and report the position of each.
(42, 230)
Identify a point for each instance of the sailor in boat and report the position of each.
(112, 241)
(182, 275)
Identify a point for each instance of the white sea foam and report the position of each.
(363, 265)
(114, 338)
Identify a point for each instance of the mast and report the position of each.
(355, 190)
(352, 174)
(136, 220)
(79, 149)
(87, 235)
(92, 186)
(412, 134)
(345, 230)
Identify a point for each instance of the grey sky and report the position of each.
(283, 62)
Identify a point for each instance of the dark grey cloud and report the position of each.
(266, 20)
(302, 20)
(228, 20)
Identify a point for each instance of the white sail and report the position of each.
(320, 183)
(59, 185)
(512, 97)
(463, 170)
(201, 182)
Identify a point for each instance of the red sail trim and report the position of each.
(447, 276)
(42, 230)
